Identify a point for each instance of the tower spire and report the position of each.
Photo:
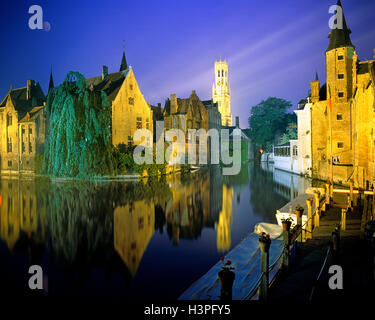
(340, 37)
(124, 64)
(51, 85)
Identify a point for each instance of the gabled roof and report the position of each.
(111, 83)
(183, 105)
(340, 37)
(21, 102)
(32, 114)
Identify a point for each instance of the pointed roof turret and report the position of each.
(51, 85)
(316, 76)
(124, 64)
(340, 37)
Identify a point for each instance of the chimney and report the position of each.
(104, 72)
(237, 122)
(173, 103)
(29, 83)
(314, 91)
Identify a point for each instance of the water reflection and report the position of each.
(75, 229)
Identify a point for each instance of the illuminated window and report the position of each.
(9, 145)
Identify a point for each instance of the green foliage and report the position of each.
(290, 134)
(268, 120)
(78, 141)
(38, 161)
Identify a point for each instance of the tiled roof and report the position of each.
(20, 101)
(110, 84)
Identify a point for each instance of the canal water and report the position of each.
(138, 240)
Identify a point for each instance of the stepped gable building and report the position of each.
(221, 92)
(341, 130)
(130, 111)
(22, 128)
(185, 114)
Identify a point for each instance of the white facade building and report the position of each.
(304, 139)
(286, 156)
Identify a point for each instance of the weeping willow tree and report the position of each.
(78, 140)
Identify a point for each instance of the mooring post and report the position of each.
(335, 243)
(349, 202)
(328, 195)
(343, 219)
(226, 278)
(286, 240)
(299, 223)
(317, 209)
(309, 226)
(264, 245)
(351, 186)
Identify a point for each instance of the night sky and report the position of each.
(273, 48)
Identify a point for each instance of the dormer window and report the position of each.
(340, 57)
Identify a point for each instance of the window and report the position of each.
(9, 120)
(23, 129)
(295, 151)
(340, 145)
(131, 101)
(9, 145)
(339, 116)
(140, 223)
(147, 123)
(23, 147)
(131, 87)
(30, 130)
(9, 163)
(341, 94)
(340, 57)
(222, 73)
(139, 123)
(218, 73)
(30, 147)
(340, 76)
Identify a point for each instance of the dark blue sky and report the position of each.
(273, 47)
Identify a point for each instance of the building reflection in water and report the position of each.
(110, 225)
(20, 214)
(223, 239)
(133, 229)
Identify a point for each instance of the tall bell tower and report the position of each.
(221, 92)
